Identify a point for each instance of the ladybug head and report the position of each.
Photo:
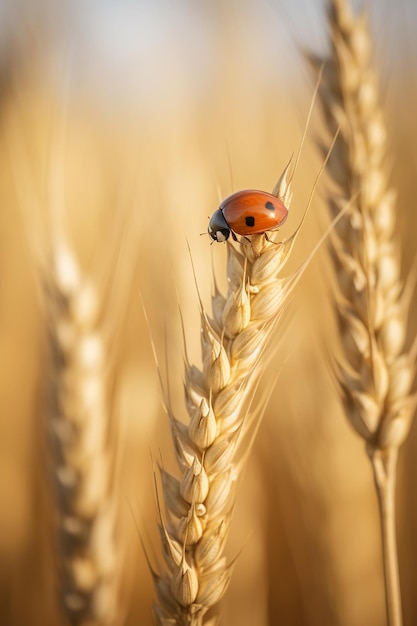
(218, 228)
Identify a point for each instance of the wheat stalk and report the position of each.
(82, 316)
(210, 449)
(78, 422)
(375, 374)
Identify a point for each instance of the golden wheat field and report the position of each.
(173, 440)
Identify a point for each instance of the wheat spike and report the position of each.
(210, 449)
(375, 373)
(78, 421)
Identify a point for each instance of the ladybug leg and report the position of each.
(270, 240)
(234, 236)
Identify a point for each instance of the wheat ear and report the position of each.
(212, 446)
(78, 421)
(375, 374)
(211, 449)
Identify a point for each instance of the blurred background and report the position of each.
(136, 117)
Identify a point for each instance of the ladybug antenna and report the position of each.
(206, 233)
(307, 124)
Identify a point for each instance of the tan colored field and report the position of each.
(137, 183)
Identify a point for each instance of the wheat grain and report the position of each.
(375, 373)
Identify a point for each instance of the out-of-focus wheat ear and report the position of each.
(82, 456)
(82, 315)
(375, 371)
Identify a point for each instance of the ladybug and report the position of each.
(247, 212)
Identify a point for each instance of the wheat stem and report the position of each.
(375, 373)
(384, 463)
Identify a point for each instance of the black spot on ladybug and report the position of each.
(250, 220)
(269, 206)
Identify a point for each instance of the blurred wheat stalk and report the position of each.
(81, 437)
(375, 373)
(79, 425)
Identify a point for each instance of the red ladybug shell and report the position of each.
(252, 212)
